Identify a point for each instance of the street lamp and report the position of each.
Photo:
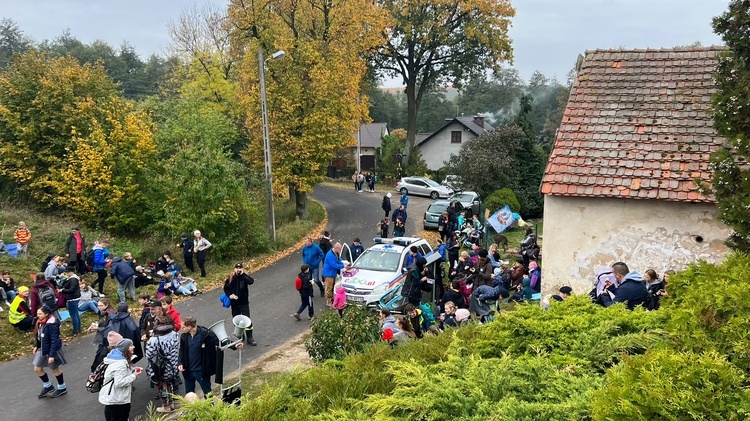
(266, 140)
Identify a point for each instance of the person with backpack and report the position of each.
(124, 324)
(163, 354)
(386, 205)
(42, 292)
(75, 250)
(48, 352)
(117, 384)
(99, 256)
(419, 319)
(304, 285)
(71, 290)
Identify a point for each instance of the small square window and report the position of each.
(456, 137)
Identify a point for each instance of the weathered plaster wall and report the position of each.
(583, 235)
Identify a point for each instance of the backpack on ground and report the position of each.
(160, 365)
(95, 381)
(48, 296)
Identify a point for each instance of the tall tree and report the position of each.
(12, 40)
(493, 97)
(386, 107)
(435, 41)
(731, 175)
(315, 99)
(71, 143)
(530, 160)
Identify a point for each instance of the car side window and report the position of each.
(426, 249)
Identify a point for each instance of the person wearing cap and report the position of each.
(117, 389)
(19, 314)
(236, 288)
(75, 250)
(200, 247)
(71, 290)
(565, 292)
(386, 205)
(101, 258)
(48, 352)
(187, 247)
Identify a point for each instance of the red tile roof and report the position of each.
(637, 125)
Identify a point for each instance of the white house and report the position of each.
(619, 184)
(438, 147)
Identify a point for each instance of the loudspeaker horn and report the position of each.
(241, 323)
(220, 332)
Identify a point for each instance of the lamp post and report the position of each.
(266, 140)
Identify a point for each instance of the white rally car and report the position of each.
(378, 269)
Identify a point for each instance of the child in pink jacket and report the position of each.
(339, 300)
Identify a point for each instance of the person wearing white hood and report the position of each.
(116, 390)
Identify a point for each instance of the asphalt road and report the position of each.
(272, 299)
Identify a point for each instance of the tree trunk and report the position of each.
(292, 193)
(411, 119)
(301, 199)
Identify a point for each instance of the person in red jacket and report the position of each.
(166, 304)
(41, 282)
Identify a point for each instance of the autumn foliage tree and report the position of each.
(71, 143)
(315, 100)
(438, 41)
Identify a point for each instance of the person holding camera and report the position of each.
(236, 288)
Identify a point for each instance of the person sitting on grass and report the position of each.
(89, 298)
(19, 314)
(183, 285)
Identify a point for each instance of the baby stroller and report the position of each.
(600, 278)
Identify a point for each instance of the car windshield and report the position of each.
(431, 183)
(461, 197)
(380, 260)
(437, 208)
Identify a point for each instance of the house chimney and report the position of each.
(479, 120)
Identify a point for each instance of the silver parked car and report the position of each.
(423, 187)
(469, 200)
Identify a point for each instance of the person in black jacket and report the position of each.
(325, 242)
(418, 275)
(305, 285)
(199, 356)
(71, 290)
(48, 352)
(187, 246)
(386, 205)
(122, 323)
(235, 287)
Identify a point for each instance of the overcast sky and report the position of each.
(547, 35)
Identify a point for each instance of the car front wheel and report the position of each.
(435, 195)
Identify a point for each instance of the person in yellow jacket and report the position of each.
(22, 236)
(20, 313)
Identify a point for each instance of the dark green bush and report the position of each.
(334, 337)
(669, 385)
(500, 198)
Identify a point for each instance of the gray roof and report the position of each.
(468, 122)
(371, 135)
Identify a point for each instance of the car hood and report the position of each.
(365, 280)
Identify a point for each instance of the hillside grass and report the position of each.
(49, 233)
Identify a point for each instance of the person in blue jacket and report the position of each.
(357, 248)
(101, 258)
(48, 352)
(312, 255)
(404, 200)
(632, 290)
(331, 267)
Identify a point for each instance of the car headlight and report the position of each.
(379, 289)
